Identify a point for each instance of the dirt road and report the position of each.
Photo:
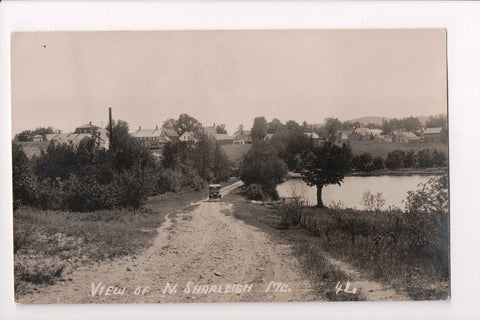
(199, 255)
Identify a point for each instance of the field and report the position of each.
(50, 244)
(383, 148)
(236, 151)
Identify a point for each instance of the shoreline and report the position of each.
(385, 172)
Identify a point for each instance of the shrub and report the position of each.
(378, 163)
(410, 160)
(424, 158)
(255, 192)
(372, 202)
(439, 159)
(363, 162)
(395, 159)
(427, 220)
(290, 212)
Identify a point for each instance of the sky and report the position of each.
(67, 79)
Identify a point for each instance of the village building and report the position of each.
(435, 135)
(242, 137)
(148, 137)
(87, 128)
(209, 130)
(38, 138)
(343, 136)
(50, 136)
(315, 138)
(155, 138)
(222, 138)
(75, 139)
(365, 134)
(40, 143)
(401, 136)
(188, 137)
(170, 135)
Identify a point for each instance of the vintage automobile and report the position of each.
(214, 193)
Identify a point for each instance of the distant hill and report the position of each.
(366, 120)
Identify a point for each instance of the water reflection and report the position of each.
(393, 188)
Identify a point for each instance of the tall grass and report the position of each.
(385, 245)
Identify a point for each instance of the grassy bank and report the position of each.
(49, 244)
(324, 275)
(382, 245)
(404, 172)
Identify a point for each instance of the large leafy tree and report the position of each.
(274, 126)
(261, 165)
(324, 165)
(183, 124)
(126, 151)
(259, 129)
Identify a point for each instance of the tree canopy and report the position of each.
(183, 124)
(27, 135)
(259, 129)
(324, 165)
(261, 165)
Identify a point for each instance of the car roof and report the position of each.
(214, 186)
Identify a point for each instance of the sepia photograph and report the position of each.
(230, 166)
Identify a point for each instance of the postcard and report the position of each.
(230, 166)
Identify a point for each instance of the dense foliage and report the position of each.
(397, 159)
(27, 135)
(88, 178)
(263, 167)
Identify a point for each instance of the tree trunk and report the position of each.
(319, 197)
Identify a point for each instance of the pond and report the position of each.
(350, 193)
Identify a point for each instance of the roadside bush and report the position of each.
(86, 195)
(130, 190)
(255, 192)
(290, 212)
(49, 195)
